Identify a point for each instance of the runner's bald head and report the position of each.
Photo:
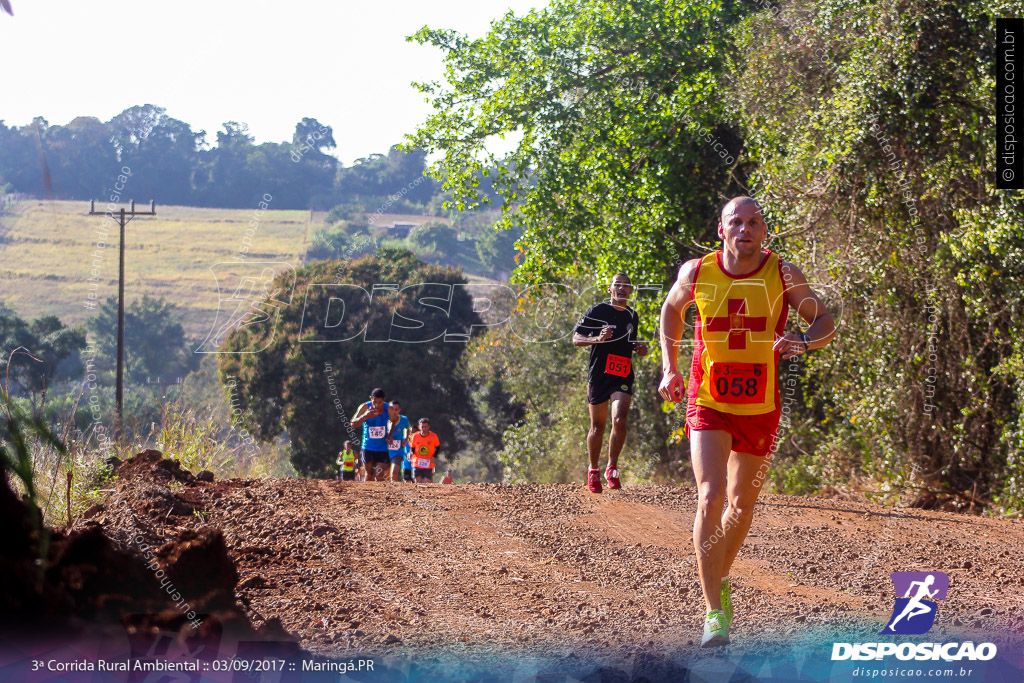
(736, 202)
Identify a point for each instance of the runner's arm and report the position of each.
(582, 340)
(680, 296)
(821, 326)
(362, 414)
(639, 347)
(586, 322)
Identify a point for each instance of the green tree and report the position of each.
(50, 344)
(870, 124)
(328, 244)
(154, 340)
(436, 236)
(395, 179)
(862, 129)
(346, 211)
(227, 178)
(162, 153)
(311, 133)
(609, 99)
(497, 249)
(325, 356)
(81, 158)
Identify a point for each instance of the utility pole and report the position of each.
(125, 218)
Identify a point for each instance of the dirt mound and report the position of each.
(152, 465)
(198, 560)
(88, 582)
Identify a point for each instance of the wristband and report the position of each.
(806, 340)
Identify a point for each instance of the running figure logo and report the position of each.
(914, 613)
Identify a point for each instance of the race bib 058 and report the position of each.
(739, 382)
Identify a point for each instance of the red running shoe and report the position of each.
(594, 481)
(612, 475)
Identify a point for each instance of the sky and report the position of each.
(345, 63)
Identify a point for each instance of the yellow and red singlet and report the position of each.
(738, 320)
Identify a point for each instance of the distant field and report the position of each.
(46, 256)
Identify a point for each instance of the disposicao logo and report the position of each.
(914, 613)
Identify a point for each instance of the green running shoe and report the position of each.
(716, 629)
(727, 603)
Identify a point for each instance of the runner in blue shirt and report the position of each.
(399, 446)
(373, 416)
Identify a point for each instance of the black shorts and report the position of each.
(599, 392)
(348, 476)
(407, 475)
(370, 457)
(424, 472)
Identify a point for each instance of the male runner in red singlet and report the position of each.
(743, 295)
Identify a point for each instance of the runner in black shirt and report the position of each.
(610, 330)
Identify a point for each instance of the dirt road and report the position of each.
(481, 570)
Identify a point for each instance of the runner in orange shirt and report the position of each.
(423, 447)
(743, 295)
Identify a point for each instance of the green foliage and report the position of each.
(48, 343)
(202, 426)
(797, 476)
(532, 393)
(873, 154)
(865, 131)
(396, 177)
(607, 98)
(154, 340)
(192, 437)
(328, 244)
(164, 158)
(434, 235)
(341, 244)
(309, 370)
(497, 249)
(19, 435)
(345, 212)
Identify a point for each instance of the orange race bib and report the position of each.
(617, 365)
(739, 382)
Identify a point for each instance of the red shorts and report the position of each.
(753, 434)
